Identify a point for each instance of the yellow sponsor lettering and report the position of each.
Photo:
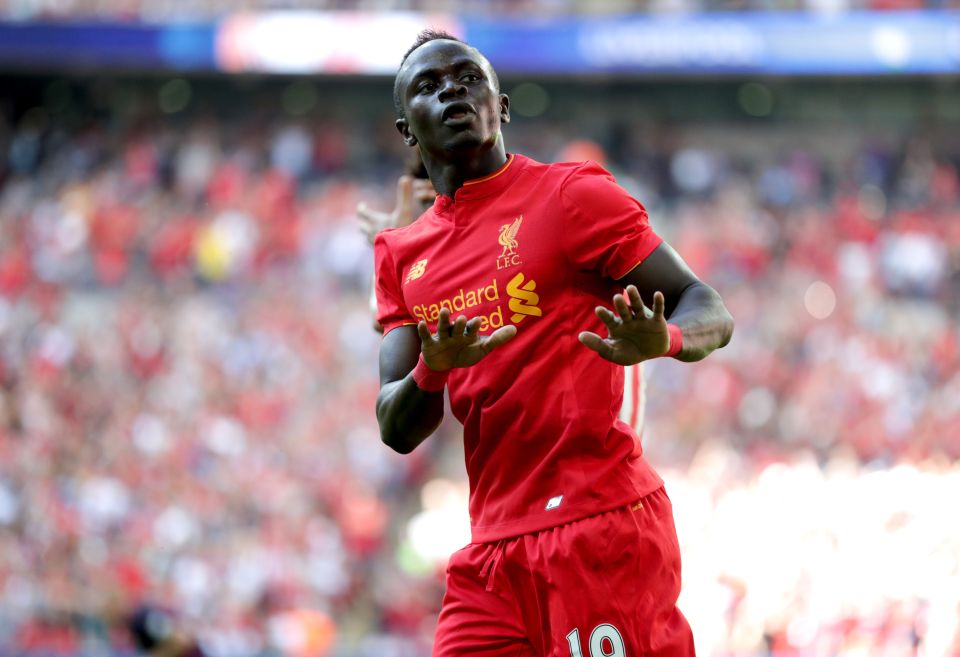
(459, 303)
(464, 300)
(492, 321)
(491, 292)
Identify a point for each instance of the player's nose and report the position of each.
(452, 88)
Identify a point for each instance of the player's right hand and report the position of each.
(458, 344)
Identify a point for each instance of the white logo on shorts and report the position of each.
(553, 502)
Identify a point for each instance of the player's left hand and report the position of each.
(634, 332)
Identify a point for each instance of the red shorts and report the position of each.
(604, 586)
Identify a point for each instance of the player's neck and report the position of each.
(449, 174)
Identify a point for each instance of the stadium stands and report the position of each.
(183, 10)
(188, 373)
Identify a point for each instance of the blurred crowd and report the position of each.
(190, 10)
(188, 375)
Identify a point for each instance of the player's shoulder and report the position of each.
(398, 237)
(566, 172)
(582, 181)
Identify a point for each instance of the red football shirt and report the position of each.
(538, 246)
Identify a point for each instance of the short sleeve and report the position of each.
(606, 230)
(391, 311)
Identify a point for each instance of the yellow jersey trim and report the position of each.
(492, 175)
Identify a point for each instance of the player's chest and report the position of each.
(503, 265)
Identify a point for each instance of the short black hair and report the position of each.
(426, 36)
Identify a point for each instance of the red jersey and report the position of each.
(538, 246)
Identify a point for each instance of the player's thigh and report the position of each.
(475, 622)
(613, 584)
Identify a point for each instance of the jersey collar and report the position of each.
(487, 185)
(496, 174)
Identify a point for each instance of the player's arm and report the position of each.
(407, 414)
(660, 291)
(689, 303)
(414, 364)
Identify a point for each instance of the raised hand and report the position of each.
(634, 332)
(458, 344)
(412, 195)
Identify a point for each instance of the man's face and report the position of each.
(450, 98)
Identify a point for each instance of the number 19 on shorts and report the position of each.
(605, 641)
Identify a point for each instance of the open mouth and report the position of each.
(457, 111)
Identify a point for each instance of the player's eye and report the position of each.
(469, 77)
(425, 87)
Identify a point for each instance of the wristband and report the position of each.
(676, 341)
(429, 380)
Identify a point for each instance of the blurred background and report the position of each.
(189, 459)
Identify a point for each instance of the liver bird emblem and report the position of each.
(508, 236)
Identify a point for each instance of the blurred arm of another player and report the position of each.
(413, 368)
(662, 290)
(413, 196)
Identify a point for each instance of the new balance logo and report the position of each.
(416, 271)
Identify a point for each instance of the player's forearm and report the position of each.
(704, 320)
(407, 415)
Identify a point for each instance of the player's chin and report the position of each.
(463, 140)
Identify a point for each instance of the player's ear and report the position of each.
(404, 129)
(504, 108)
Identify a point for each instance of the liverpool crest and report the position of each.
(508, 240)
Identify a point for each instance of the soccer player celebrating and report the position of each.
(493, 293)
(415, 195)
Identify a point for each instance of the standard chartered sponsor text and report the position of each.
(463, 300)
(523, 302)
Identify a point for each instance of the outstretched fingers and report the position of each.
(636, 302)
(499, 337)
(424, 331)
(443, 322)
(659, 303)
(622, 307)
(596, 343)
(459, 344)
(459, 327)
(607, 317)
(627, 307)
(473, 327)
